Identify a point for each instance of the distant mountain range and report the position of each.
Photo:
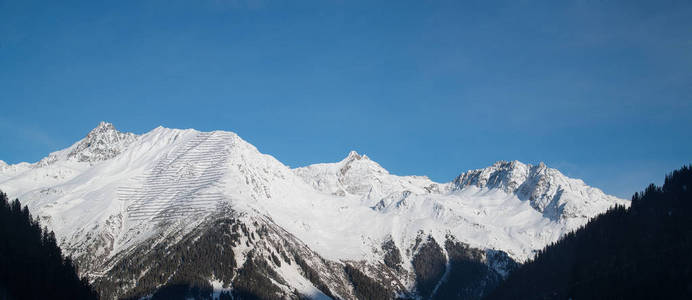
(184, 213)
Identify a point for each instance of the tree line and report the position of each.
(32, 266)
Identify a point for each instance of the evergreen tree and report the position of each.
(31, 263)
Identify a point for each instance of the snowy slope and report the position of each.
(547, 190)
(111, 191)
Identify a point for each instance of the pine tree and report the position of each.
(31, 263)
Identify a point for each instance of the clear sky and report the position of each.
(601, 90)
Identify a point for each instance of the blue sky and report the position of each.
(598, 89)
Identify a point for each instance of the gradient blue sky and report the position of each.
(598, 89)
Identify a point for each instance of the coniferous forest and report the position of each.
(31, 263)
(637, 253)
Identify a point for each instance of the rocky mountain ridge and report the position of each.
(112, 194)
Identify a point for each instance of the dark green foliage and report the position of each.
(429, 265)
(225, 296)
(365, 287)
(469, 277)
(31, 263)
(637, 253)
(253, 281)
(183, 291)
(313, 276)
(183, 268)
(392, 257)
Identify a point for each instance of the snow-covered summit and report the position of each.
(547, 190)
(358, 175)
(121, 187)
(353, 155)
(112, 194)
(101, 143)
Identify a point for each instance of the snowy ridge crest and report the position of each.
(120, 188)
(359, 176)
(102, 143)
(547, 190)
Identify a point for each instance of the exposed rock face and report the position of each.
(102, 143)
(357, 175)
(547, 190)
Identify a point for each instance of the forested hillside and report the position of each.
(637, 253)
(31, 264)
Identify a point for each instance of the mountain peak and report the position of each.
(103, 126)
(547, 190)
(507, 165)
(112, 192)
(101, 143)
(353, 156)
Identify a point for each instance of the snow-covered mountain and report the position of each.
(547, 190)
(117, 199)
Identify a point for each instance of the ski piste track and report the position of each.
(179, 184)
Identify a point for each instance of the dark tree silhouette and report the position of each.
(31, 263)
(366, 287)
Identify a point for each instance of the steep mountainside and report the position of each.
(637, 253)
(348, 229)
(547, 190)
